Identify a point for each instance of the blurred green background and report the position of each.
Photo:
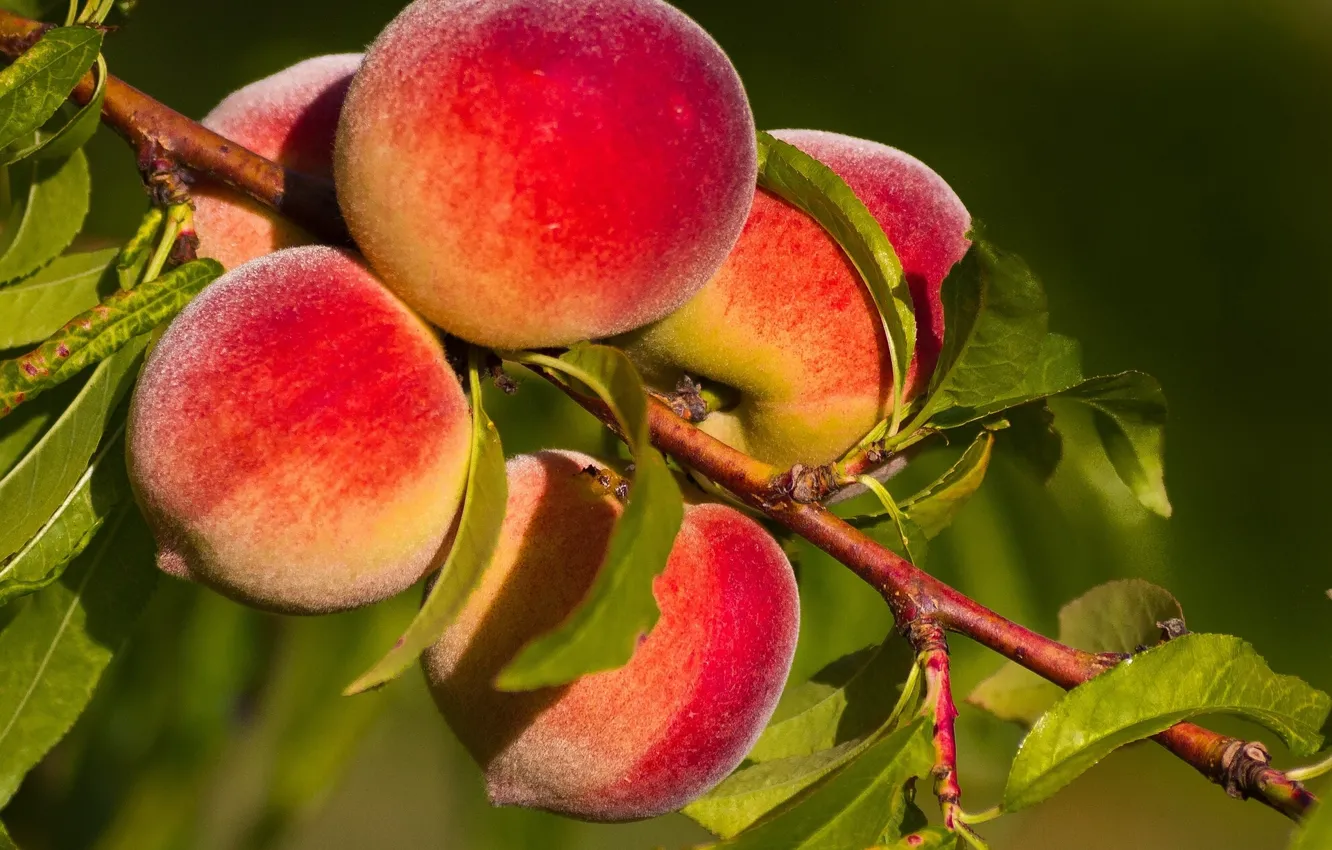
(1162, 164)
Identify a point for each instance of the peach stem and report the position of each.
(163, 138)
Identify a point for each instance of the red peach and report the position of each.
(297, 439)
(790, 327)
(653, 735)
(531, 173)
(290, 118)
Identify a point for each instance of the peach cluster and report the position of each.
(525, 174)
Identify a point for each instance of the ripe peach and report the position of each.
(298, 440)
(535, 173)
(788, 326)
(290, 118)
(655, 734)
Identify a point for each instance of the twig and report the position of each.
(156, 130)
(927, 638)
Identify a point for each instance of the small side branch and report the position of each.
(927, 638)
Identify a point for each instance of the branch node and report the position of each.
(805, 485)
(687, 400)
(1243, 767)
(1172, 628)
(167, 183)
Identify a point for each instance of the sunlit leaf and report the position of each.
(996, 318)
(810, 185)
(70, 135)
(936, 506)
(930, 838)
(134, 257)
(1148, 693)
(39, 483)
(851, 808)
(1119, 616)
(1057, 367)
(38, 306)
(39, 81)
(99, 332)
(62, 638)
(470, 551)
(603, 630)
(52, 199)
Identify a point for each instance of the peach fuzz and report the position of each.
(531, 173)
(788, 324)
(290, 118)
(653, 735)
(297, 439)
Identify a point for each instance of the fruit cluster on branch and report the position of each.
(530, 177)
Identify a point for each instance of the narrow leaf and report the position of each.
(70, 135)
(603, 630)
(101, 331)
(893, 528)
(43, 559)
(6, 843)
(34, 488)
(32, 89)
(37, 307)
(61, 640)
(936, 506)
(48, 214)
(133, 258)
(1119, 616)
(851, 808)
(995, 318)
(786, 764)
(802, 180)
(470, 551)
(1129, 411)
(1146, 694)
(849, 698)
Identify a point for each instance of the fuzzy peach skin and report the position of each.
(297, 440)
(531, 173)
(290, 118)
(788, 324)
(655, 734)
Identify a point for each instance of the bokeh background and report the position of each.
(1165, 167)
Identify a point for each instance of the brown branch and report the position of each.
(927, 638)
(159, 133)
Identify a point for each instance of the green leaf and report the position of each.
(791, 755)
(69, 530)
(849, 698)
(471, 551)
(802, 180)
(892, 527)
(61, 640)
(33, 489)
(851, 808)
(52, 202)
(619, 607)
(134, 257)
(1149, 693)
(69, 136)
(101, 331)
(995, 318)
(37, 307)
(1119, 616)
(21, 431)
(1058, 367)
(936, 506)
(1129, 411)
(6, 843)
(39, 81)
(1316, 834)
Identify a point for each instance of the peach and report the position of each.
(788, 329)
(653, 735)
(531, 173)
(297, 439)
(290, 118)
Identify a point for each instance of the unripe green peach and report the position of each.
(290, 118)
(297, 439)
(653, 735)
(788, 328)
(535, 173)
